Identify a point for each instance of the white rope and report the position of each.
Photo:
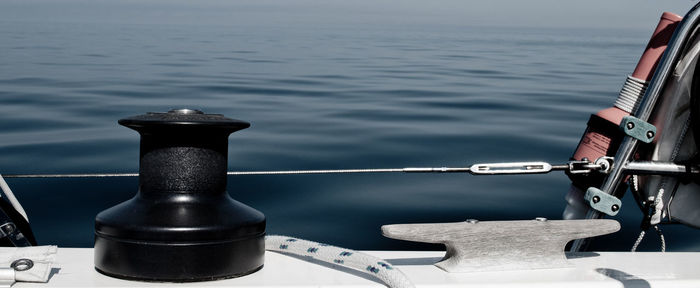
(370, 265)
(635, 183)
(658, 208)
(11, 197)
(639, 240)
(661, 236)
(654, 221)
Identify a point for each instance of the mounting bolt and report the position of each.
(614, 207)
(630, 125)
(605, 164)
(596, 199)
(650, 134)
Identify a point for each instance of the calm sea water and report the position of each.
(319, 96)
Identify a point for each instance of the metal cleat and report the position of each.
(474, 246)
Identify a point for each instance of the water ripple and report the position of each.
(318, 97)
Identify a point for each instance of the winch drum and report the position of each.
(181, 225)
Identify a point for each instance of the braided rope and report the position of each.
(655, 220)
(370, 265)
(634, 181)
(658, 208)
(639, 240)
(662, 238)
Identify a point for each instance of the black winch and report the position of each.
(182, 225)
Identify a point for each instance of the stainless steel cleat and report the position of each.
(474, 246)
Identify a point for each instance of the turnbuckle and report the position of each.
(584, 166)
(511, 168)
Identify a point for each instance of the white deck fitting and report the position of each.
(74, 268)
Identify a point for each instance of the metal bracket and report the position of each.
(638, 129)
(10, 230)
(7, 229)
(602, 201)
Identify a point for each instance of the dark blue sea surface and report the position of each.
(319, 95)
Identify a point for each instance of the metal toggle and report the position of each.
(582, 167)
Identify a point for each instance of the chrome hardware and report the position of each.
(7, 229)
(582, 167)
(511, 168)
(22, 264)
(605, 164)
(502, 245)
(659, 168)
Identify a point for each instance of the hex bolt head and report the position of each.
(650, 134)
(630, 125)
(614, 208)
(596, 199)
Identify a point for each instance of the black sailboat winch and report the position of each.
(181, 225)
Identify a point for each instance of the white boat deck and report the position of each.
(74, 268)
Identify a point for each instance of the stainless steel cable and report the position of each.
(85, 175)
(347, 171)
(280, 172)
(476, 169)
(513, 168)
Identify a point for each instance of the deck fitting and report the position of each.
(502, 245)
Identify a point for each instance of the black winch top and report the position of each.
(183, 118)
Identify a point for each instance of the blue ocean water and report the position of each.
(319, 95)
